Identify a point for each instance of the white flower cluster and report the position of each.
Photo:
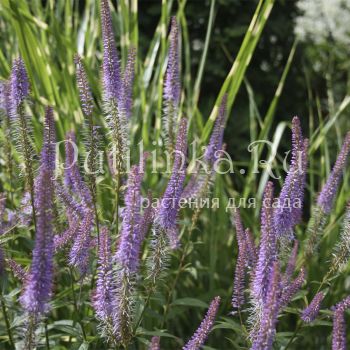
(324, 20)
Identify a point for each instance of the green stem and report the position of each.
(47, 336)
(75, 304)
(7, 321)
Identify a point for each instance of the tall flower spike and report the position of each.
(267, 329)
(267, 249)
(339, 326)
(86, 99)
(172, 86)
(49, 148)
(341, 253)
(201, 335)
(215, 143)
(79, 254)
(339, 330)
(73, 179)
(289, 290)
(19, 84)
(128, 80)
(102, 300)
(326, 197)
(17, 270)
(241, 262)
(310, 313)
(169, 205)
(129, 244)
(110, 66)
(238, 286)
(286, 217)
(38, 289)
(290, 268)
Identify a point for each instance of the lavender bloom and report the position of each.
(84, 88)
(339, 330)
(19, 84)
(79, 254)
(286, 217)
(326, 197)
(291, 264)
(147, 217)
(128, 79)
(267, 328)
(5, 97)
(251, 249)
(102, 300)
(172, 88)
(339, 327)
(73, 179)
(289, 290)
(169, 206)
(342, 250)
(110, 66)
(242, 261)
(310, 313)
(215, 144)
(200, 336)
(267, 250)
(38, 289)
(155, 343)
(238, 286)
(128, 251)
(17, 270)
(49, 148)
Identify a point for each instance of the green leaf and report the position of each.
(190, 302)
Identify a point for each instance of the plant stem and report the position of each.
(75, 304)
(47, 336)
(7, 321)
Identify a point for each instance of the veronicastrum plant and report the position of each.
(112, 256)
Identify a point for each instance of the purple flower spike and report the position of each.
(169, 205)
(267, 250)
(72, 176)
(147, 217)
(102, 300)
(84, 88)
(238, 286)
(17, 270)
(129, 245)
(110, 66)
(5, 97)
(172, 87)
(172, 79)
(290, 289)
(128, 79)
(287, 216)
(339, 326)
(339, 330)
(201, 335)
(19, 84)
(155, 343)
(38, 289)
(215, 144)
(326, 197)
(310, 313)
(267, 329)
(291, 263)
(79, 254)
(48, 153)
